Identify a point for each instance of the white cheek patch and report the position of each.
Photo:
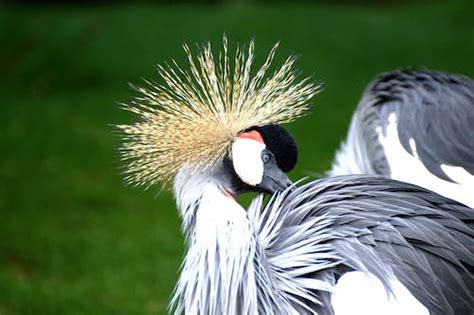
(247, 160)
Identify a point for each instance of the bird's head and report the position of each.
(219, 120)
(259, 159)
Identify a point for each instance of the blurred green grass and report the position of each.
(73, 238)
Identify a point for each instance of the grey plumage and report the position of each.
(385, 227)
(287, 256)
(436, 109)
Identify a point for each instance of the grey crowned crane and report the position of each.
(342, 245)
(417, 127)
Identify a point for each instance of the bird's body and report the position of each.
(329, 246)
(417, 127)
(289, 256)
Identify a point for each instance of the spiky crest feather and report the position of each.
(193, 117)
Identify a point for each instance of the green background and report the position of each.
(73, 238)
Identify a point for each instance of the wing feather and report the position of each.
(365, 223)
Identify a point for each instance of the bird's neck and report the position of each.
(218, 273)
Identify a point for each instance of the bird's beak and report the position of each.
(273, 179)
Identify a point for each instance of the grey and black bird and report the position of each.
(415, 126)
(353, 244)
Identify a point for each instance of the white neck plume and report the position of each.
(218, 273)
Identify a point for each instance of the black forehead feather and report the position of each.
(280, 142)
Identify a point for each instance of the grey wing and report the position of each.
(435, 109)
(366, 223)
(426, 239)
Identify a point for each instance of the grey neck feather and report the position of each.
(227, 268)
(220, 273)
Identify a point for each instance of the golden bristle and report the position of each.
(193, 117)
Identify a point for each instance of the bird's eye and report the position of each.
(266, 156)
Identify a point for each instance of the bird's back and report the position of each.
(435, 109)
(389, 229)
(415, 126)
